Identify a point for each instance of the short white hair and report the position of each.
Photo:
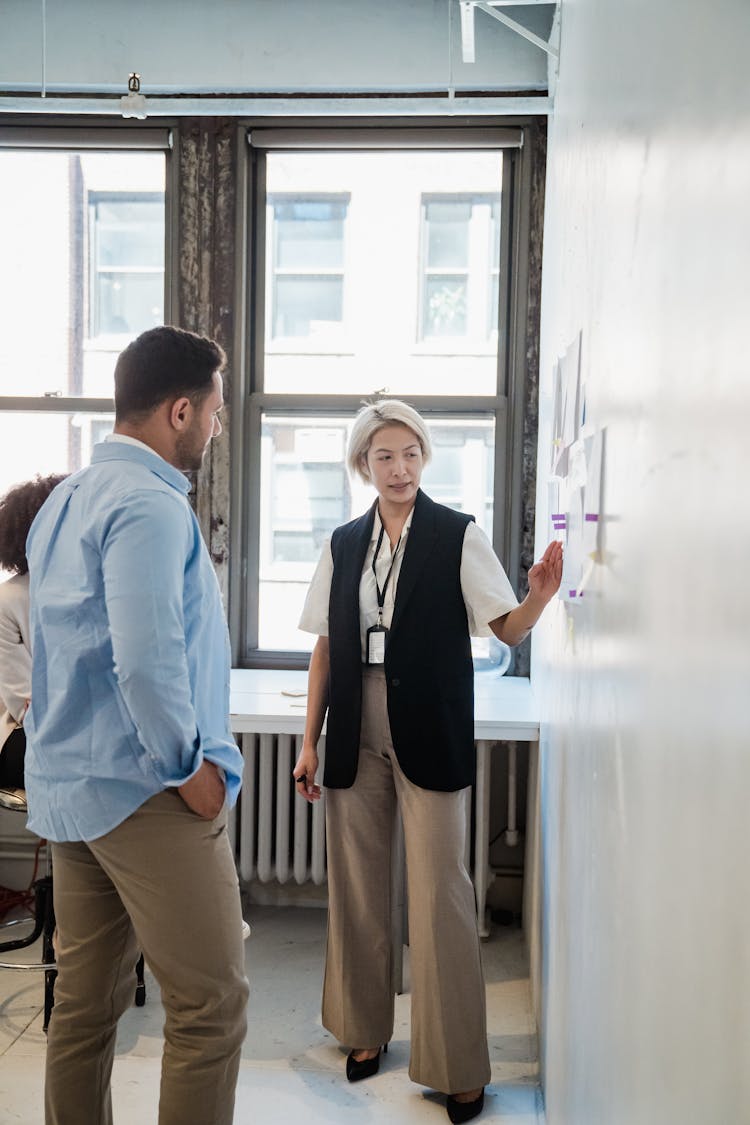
(371, 418)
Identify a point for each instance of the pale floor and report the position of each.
(291, 1068)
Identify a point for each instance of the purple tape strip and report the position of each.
(558, 516)
(591, 518)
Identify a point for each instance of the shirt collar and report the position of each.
(118, 447)
(377, 524)
(128, 440)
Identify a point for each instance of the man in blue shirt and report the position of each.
(131, 765)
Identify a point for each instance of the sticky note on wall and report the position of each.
(592, 494)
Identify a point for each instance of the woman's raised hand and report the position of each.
(546, 575)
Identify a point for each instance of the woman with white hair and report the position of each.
(395, 597)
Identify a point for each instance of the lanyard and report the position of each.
(381, 593)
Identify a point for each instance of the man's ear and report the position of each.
(180, 412)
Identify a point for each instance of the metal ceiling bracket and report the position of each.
(490, 7)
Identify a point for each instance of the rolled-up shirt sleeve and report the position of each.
(144, 553)
(314, 617)
(487, 591)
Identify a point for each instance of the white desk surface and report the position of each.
(504, 706)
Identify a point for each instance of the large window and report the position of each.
(375, 267)
(385, 273)
(83, 237)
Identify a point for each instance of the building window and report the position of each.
(126, 251)
(460, 267)
(84, 232)
(308, 265)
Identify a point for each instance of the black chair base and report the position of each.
(140, 987)
(44, 926)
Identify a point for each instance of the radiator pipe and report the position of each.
(511, 833)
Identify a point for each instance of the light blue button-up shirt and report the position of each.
(130, 670)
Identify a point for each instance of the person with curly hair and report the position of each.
(18, 507)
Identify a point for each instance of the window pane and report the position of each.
(495, 234)
(492, 318)
(406, 240)
(445, 306)
(128, 233)
(309, 234)
(129, 302)
(494, 301)
(307, 305)
(461, 473)
(448, 234)
(461, 233)
(47, 443)
(306, 493)
(83, 249)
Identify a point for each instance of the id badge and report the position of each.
(376, 637)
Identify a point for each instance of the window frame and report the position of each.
(250, 401)
(73, 136)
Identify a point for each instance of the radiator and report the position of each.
(278, 835)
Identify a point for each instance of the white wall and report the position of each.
(256, 45)
(645, 755)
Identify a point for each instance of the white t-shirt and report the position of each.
(484, 584)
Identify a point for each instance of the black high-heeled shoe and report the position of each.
(357, 1069)
(458, 1112)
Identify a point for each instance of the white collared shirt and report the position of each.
(128, 440)
(484, 584)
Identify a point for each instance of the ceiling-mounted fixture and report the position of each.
(468, 7)
(134, 103)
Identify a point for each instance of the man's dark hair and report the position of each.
(164, 363)
(17, 510)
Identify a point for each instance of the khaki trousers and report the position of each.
(448, 1016)
(164, 882)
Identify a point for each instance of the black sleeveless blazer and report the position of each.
(428, 666)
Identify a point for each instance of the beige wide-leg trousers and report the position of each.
(164, 882)
(448, 1018)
